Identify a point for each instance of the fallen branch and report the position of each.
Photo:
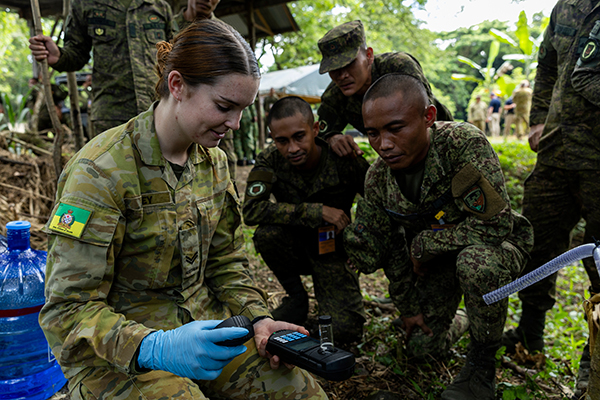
(530, 373)
(10, 161)
(30, 146)
(23, 190)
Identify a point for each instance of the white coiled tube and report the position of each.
(567, 258)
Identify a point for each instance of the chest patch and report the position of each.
(474, 199)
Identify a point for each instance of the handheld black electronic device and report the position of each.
(239, 321)
(305, 352)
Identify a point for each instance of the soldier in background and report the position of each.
(509, 116)
(122, 38)
(478, 113)
(522, 99)
(563, 187)
(243, 138)
(300, 234)
(353, 67)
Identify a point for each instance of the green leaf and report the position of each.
(525, 42)
(463, 77)
(503, 37)
(469, 62)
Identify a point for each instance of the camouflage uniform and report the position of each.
(522, 100)
(336, 110)
(287, 233)
(476, 245)
(124, 53)
(154, 253)
(243, 138)
(564, 184)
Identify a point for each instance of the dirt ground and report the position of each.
(27, 192)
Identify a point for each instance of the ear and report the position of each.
(176, 85)
(430, 115)
(370, 55)
(316, 128)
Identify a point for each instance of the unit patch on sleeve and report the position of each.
(256, 188)
(70, 220)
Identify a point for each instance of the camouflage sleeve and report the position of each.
(545, 78)
(586, 76)
(331, 115)
(372, 241)
(227, 273)
(478, 189)
(259, 209)
(77, 43)
(78, 323)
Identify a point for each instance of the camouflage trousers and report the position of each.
(521, 125)
(555, 200)
(226, 144)
(473, 272)
(289, 252)
(248, 376)
(243, 141)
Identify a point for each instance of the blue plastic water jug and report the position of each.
(27, 368)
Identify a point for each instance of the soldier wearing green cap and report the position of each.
(353, 67)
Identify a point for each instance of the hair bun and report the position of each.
(162, 52)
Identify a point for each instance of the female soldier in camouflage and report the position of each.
(145, 245)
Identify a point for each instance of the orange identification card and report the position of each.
(326, 239)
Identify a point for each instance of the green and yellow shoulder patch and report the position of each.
(70, 220)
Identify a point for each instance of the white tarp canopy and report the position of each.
(301, 81)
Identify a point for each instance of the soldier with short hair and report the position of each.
(437, 218)
(300, 233)
(353, 67)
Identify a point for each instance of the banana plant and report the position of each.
(486, 74)
(527, 46)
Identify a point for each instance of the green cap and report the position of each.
(340, 45)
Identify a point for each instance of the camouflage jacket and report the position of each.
(463, 202)
(478, 111)
(571, 136)
(133, 250)
(124, 53)
(337, 110)
(300, 201)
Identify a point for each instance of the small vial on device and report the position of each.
(326, 333)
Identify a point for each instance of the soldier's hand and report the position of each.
(344, 146)
(535, 133)
(337, 217)
(263, 329)
(43, 47)
(410, 323)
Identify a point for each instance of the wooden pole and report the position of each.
(74, 94)
(57, 127)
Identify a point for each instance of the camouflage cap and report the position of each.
(340, 45)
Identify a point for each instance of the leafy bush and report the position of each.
(517, 161)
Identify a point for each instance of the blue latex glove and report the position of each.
(190, 350)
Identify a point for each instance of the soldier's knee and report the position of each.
(267, 236)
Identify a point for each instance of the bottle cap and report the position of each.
(17, 235)
(324, 319)
(18, 225)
